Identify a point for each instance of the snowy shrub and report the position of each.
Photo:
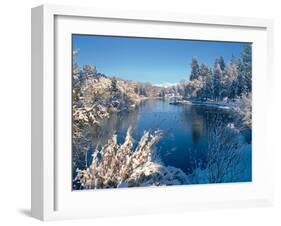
(243, 110)
(223, 155)
(119, 165)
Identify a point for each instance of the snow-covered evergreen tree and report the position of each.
(244, 78)
(114, 85)
(195, 71)
(205, 71)
(221, 62)
(229, 77)
(247, 67)
(241, 86)
(209, 87)
(217, 82)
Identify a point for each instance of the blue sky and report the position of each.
(157, 61)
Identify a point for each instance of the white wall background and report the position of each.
(15, 111)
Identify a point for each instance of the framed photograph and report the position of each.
(136, 113)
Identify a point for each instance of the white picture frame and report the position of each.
(52, 198)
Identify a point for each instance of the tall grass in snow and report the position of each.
(120, 165)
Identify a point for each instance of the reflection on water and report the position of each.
(185, 131)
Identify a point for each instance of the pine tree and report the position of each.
(233, 90)
(114, 85)
(217, 82)
(206, 91)
(221, 62)
(194, 69)
(209, 87)
(233, 60)
(205, 71)
(241, 84)
(246, 67)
